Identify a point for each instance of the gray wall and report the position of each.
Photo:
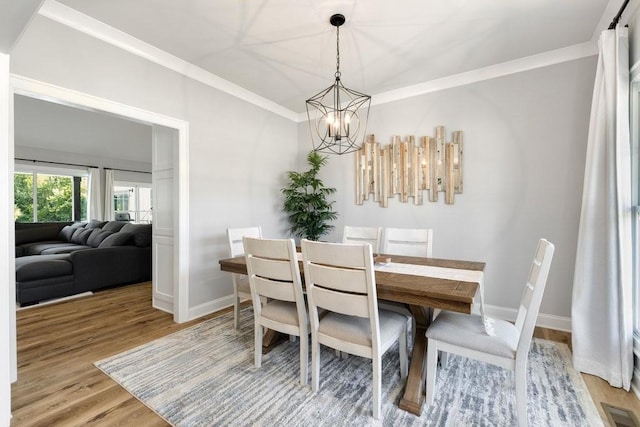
(525, 141)
(238, 152)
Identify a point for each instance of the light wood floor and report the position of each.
(58, 343)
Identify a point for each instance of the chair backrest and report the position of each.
(272, 266)
(361, 235)
(340, 278)
(235, 235)
(408, 241)
(532, 295)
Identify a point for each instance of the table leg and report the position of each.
(270, 339)
(413, 398)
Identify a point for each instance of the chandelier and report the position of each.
(338, 115)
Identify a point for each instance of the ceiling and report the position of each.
(49, 126)
(284, 50)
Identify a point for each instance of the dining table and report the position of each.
(422, 284)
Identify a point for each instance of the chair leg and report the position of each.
(259, 332)
(521, 392)
(304, 359)
(377, 385)
(236, 312)
(315, 364)
(444, 359)
(432, 362)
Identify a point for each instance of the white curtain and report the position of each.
(95, 196)
(602, 308)
(109, 213)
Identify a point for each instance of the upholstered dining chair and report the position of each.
(339, 278)
(241, 289)
(408, 241)
(276, 290)
(508, 347)
(369, 235)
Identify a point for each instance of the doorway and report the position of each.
(175, 136)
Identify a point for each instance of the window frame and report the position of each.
(136, 185)
(35, 169)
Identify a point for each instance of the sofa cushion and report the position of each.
(94, 223)
(113, 226)
(64, 249)
(80, 236)
(97, 236)
(141, 233)
(66, 233)
(37, 247)
(116, 239)
(42, 266)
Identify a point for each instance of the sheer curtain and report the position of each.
(109, 214)
(95, 197)
(602, 308)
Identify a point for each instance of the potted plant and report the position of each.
(305, 201)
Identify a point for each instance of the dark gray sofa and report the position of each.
(55, 260)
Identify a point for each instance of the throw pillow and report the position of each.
(116, 239)
(94, 223)
(97, 236)
(80, 236)
(66, 233)
(113, 226)
(141, 234)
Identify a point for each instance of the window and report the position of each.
(132, 202)
(49, 196)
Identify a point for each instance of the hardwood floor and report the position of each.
(58, 343)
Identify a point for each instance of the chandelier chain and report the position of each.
(338, 52)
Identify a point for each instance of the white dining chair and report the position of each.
(241, 288)
(508, 347)
(369, 235)
(339, 278)
(408, 241)
(278, 299)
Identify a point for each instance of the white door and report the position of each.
(165, 201)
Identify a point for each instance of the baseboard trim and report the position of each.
(548, 321)
(210, 307)
(55, 301)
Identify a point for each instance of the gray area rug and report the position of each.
(204, 376)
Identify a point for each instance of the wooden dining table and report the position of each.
(422, 294)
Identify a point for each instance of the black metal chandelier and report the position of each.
(338, 115)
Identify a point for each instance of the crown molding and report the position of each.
(78, 21)
(72, 18)
(527, 63)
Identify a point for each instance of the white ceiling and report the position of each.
(284, 50)
(45, 125)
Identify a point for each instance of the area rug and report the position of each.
(204, 376)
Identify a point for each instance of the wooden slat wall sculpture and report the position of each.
(407, 169)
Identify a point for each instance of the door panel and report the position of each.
(164, 204)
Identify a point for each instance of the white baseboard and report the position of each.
(55, 301)
(162, 305)
(210, 307)
(548, 321)
(544, 320)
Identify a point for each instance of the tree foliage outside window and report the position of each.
(54, 198)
